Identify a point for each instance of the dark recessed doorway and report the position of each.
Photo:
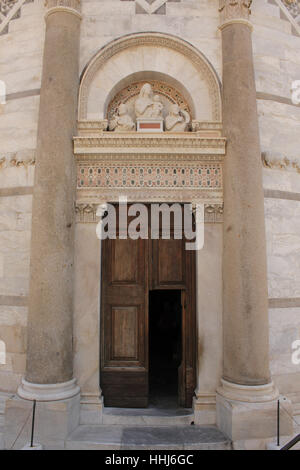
(165, 346)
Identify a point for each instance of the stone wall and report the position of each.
(277, 65)
(21, 49)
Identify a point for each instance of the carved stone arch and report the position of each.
(155, 53)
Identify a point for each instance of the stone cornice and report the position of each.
(234, 11)
(134, 143)
(69, 6)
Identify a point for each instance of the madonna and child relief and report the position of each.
(149, 107)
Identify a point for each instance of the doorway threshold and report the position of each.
(148, 416)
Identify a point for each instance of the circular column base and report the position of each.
(248, 393)
(48, 392)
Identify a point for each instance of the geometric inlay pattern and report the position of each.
(151, 6)
(150, 175)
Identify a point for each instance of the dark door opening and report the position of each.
(165, 346)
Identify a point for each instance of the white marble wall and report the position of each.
(277, 64)
(106, 20)
(21, 51)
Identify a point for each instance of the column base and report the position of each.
(248, 414)
(204, 406)
(48, 392)
(54, 422)
(91, 409)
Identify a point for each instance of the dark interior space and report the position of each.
(165, 349)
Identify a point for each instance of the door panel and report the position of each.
(124, 362)
(168, 264)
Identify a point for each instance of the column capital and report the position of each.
(235, 11)
(69, 6)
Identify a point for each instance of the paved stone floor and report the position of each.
(148, 438)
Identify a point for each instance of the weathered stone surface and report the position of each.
(50, 355)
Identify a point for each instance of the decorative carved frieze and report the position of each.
(214, 213)
(6, 6)
(154, 174)
(92, 127)
(163, 143)
(234, 10)
(10, 10)
(18, 159)
(294, 8)
(87, 213)
(278, 161)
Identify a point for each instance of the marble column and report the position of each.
(49, 370)
(246, 375)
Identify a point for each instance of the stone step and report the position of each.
(147, 416)
(103, 437)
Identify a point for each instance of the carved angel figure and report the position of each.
(177, 119)
(121, 121)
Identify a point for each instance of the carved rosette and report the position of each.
(72, 6)
(233, 10)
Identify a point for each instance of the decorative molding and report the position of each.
(10, 10)
(278, 161)
(151, 7)
(18, 159)
(157, 40)
(144, 175)
(294, 8)
(71, 4)
(90, 127)
(93, 128)
(214, 213)
(163, 143)
(291, 10)
(234, 10)
(86, 213)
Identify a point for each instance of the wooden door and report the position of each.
(124, 358)
(172, 267)
(129, 269)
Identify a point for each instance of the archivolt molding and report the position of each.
(157, 40)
